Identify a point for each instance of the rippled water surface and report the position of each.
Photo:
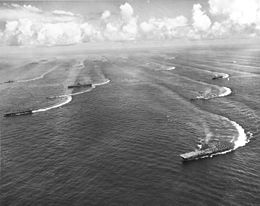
(118, 142)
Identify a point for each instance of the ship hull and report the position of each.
(79, 86)
(210, 151)
(218, 77)
(200, 156)
(29, 112)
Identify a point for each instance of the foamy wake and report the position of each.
(37, 78)
(224, 91)
(68, 98)
(239, 141)
(221, 75)
(102, 83)
(170, 68)
(80, 65)
(242, 139)
(225, 76)
(227, 91)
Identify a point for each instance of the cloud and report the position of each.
(60, 33)
(127, 12)
(123, 28)
(238, 11)
(90, 33)
(106, 14)
(16, 12)
(28, 25)
(61, 12)
(201, 22)
(164, 28)
(239, 17)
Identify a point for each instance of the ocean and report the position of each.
(119, 141)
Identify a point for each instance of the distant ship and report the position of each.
(27, 112)
(9, 81)
(204, 95)
(78, 85)
(220, 76)
(208, 151)
(217, 77)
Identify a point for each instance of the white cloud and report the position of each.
(122, 28)
(16, 12)
(146, 27)
(28, 25)
(59, 33)
(165, 28)
(218, 29)
(106, 14)
(89, 33)
(61, 12)
(29, 7)
(240, 17)
(239, 11)
(130, 28)
(127, 12)
(201, 22)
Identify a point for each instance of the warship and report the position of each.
(9, 81)
(27, 112)
(78, 85)
(208, 150)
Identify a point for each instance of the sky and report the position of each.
(73, 22)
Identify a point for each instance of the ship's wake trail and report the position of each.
(39, 77)
(221, 75)
(68, 97)
(211, 146)
(220, 146)
(225, 91)
(102, 83)
(239, 140)
(210, 94)
(170, 68)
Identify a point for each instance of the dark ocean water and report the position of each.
(119, 143)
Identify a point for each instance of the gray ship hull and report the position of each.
(13, 114)
(207, 152)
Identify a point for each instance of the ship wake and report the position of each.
(68, 98)
(240, 140)
(209, 94)
(213, 147)
(39, 77)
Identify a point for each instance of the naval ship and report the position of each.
(217, 77)
(9, 81)
(78, 85)
(208, 150)
(27, 112)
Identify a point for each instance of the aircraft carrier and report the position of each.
(78, 85)
(208, 150)
(27, 112)
(217, 77)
